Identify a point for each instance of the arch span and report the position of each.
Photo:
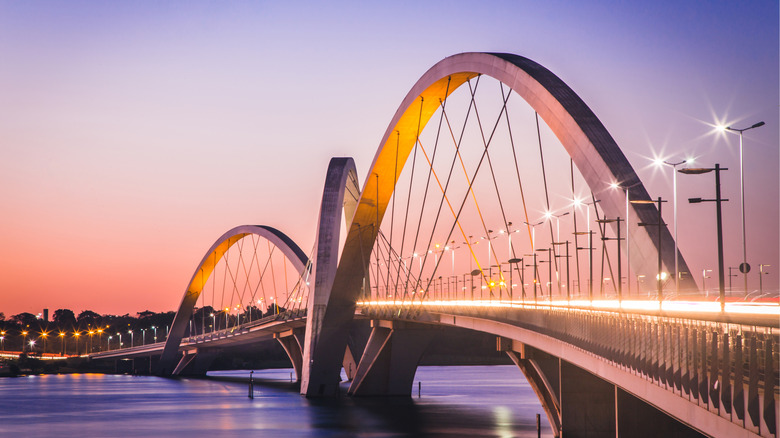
(341, 191)
(206, 266)
(586, 140)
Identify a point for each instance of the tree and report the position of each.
(64, 318)
(25, 319)
(88, 317)
(2, 316)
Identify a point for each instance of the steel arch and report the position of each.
(206, 266)
(341, 192)
(586, 140)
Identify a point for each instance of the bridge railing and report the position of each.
(729, 369)
(239, 328)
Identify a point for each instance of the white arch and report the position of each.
(206, 266)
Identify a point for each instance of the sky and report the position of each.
(133, 134)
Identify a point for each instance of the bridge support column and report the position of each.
(542, 371)
(186, 359)
(588, 404)
(390, 359)
(580, 404)
(292, 342)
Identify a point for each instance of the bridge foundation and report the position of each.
(390, 359)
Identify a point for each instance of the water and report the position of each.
(488, 401)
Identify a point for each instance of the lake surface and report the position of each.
(488, 401)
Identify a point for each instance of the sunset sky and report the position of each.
(133, 134)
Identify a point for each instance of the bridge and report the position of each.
(443, 233)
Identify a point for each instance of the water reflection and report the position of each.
(455, 401)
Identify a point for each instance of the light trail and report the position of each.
(713, 307)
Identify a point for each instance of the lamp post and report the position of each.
(44, 335)
(744, 268)
(674, 205)
(533, 233)
(62, 343)
(549, 216)
(119, 334)
(154, 327)
(590, 260)
(618, 239)
(2, 340)
(659, 224)
(132, 337)
(718, 200)
(535, 271)
(568, 289)
(549, 274)
(108, 343)
(143, 336)
(514, 261)
(615, 185)
(24, 339)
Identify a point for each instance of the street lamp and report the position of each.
(108, 343)
(617, 220)
(154, 327)
(119, 334)
(549, 263)
(132, 337)
(515, 261)
(44, 335)
(549, 216)
(24, 339)
(2, 341)
(660, 162)
(535, 271)
(615, 185)
(744, 268)
(76, 335)
(659, 276)
(577, 203)
(717, 201)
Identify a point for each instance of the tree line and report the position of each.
(88, 332)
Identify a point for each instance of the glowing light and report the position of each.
(663, 276)
(614, 185)
(650, 306)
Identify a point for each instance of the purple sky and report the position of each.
(132, 135)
